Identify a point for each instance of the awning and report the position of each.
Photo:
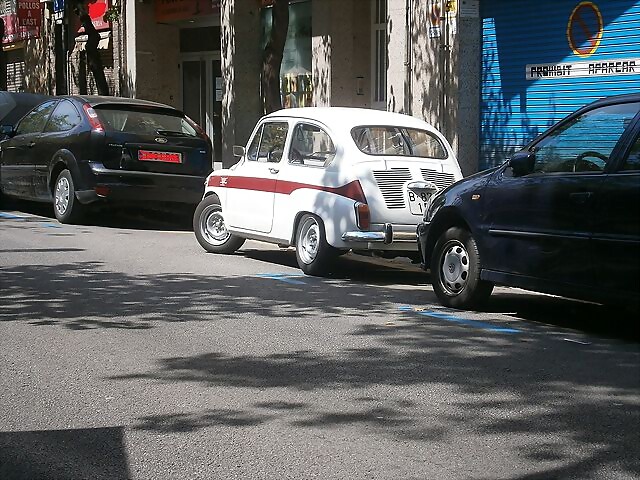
(103, 43)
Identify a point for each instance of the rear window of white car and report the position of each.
(398, 141)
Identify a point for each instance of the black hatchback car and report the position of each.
(77, 150)
(562, 216)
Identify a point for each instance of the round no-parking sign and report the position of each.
(584, 30)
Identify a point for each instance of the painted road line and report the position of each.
(442, 315)
(283, 277)
(11, 216)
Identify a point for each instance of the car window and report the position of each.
(584, 144)
(274, 135)
(311, 146)
(64, 118)
(252, 154)
(36, 119)
(406, 142)
(632, 162)
(144, 121)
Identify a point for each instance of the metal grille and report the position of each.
(391, 183)
(442, 180)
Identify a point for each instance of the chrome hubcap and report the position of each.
(213, 227)
(308, 242)
(454, 270)
(62, 195)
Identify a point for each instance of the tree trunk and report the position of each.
(272, 58)
(94, 61)
(3, 59)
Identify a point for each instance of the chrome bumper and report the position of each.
(387, 236)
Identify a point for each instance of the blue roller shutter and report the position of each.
(542, 60)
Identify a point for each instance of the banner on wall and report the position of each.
(13, 32)
(175, 10)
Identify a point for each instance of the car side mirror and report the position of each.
(522, 163)
(7, 130)
(238, 151)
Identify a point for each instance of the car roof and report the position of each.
(629, 97)
(349, 117)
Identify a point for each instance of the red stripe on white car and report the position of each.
(352, 190)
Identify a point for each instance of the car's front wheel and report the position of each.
(455, 271)
(66, 206)
(210, 228)
(315, 256)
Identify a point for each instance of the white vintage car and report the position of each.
(327, 180)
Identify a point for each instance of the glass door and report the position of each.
(202, 95)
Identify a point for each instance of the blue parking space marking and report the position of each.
(443, 315)
(28, 218)
(283, 277)
(11, 216)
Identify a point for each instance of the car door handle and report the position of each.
(31, 144)
(274, 170)
(580, 197)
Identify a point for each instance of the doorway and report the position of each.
(202, 95)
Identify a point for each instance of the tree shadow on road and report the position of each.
(563, 409)
(168, 218)
(96, 453)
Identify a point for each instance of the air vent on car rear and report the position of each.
(442, 180)
(391, 183)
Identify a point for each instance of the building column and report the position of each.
(321, 53)
(445, 80)
(398, 65)
(241, 60)
(341, 46)
(130, 55)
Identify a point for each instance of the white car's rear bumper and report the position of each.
(386, 234)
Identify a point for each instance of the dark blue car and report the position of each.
(562, 216)
(76, 151)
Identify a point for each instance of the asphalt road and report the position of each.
(126, 351)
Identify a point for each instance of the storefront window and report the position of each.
(296, 86)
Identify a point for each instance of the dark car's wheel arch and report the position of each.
(444, 220)
(62, 160)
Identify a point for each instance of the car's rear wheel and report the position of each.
(315, 256)
(66, 206)
(455, 271)
(210, 228)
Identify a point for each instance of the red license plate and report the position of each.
(152, 156)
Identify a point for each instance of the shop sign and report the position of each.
(13, 32)
(176, 10)
(96, 13)
(58, 6)
(434, 19)
(29, 14)
(595, 68)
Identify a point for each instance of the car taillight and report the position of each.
(92, 116)
(363, 216)
(199, 130)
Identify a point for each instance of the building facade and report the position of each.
(487, 73)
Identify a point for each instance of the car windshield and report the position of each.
(398, 141)
(145, 121)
